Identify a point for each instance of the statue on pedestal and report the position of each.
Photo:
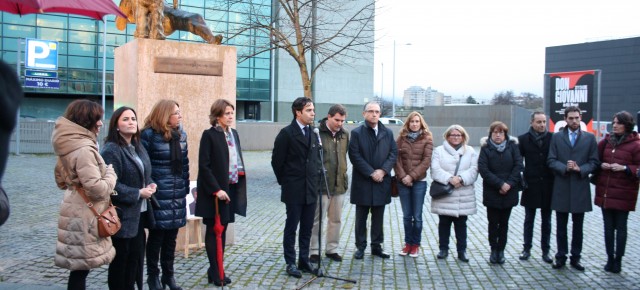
(155, 20)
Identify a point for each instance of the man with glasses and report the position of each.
(373, 152)
(573, 155)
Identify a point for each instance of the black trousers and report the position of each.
(298, 214)
(377, 234)
(211, 245)
(498, 227)
(545, 228)
(78, 280)
(460, 228)
(162, 244)
(615, 231)
(125, 267)
(562, 219)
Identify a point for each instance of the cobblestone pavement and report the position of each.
(27, 245)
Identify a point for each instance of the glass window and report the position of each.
(242, 72)
(9, 56)
(213, 14)
(82, 62)
(52, 21)
(261, 74)
(28, 19)
(82, 49)
(83, 24)
(197, 10)
(9, 30)
(83, 37)
(195, 3)
(51, 34)
(261, 63)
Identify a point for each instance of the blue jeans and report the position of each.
(412, 201)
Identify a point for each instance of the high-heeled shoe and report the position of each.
(154, 282)
(171, 282)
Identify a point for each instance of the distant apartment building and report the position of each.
(417, 96)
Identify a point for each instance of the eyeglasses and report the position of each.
(373, 112)
(455, 135)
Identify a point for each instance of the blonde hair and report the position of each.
(158, 119)
(423, 124)
(463, 132)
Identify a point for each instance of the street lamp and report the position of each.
(393, 104)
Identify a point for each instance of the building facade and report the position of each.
(619, 62)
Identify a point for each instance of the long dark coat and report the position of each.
(131, 178)
(296, 164)
(619, 189)
(497, 168)
(213, 176)
(172, 188)
(572, 190)
(537, 174)
(367, 153)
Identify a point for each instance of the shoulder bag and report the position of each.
(439, 190)
(108, 221)
(394, 186)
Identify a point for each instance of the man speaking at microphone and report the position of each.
(296, 163)
(335, 142)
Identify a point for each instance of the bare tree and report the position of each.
(312, 32)
(503, 98)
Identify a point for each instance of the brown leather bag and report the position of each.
(394, 186)
(108, 221)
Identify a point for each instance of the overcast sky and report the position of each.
(479, 48)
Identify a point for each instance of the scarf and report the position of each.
(500, 147)
(615, 140)
(175, 152)
(412, 136)
(537, 136)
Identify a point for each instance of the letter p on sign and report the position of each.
(41, 54)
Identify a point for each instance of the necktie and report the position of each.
(573, 139)
(306, 133)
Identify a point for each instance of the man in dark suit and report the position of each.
(534, 147)
(296, 164)
(373, 153)
(573, 155)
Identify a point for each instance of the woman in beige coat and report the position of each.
(79, 248)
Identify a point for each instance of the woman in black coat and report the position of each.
(134, 189)
(499, 164)
(221, 176)
(166, 143)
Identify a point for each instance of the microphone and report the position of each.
(315, 130)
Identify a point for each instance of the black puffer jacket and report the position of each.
(496, 168)
(172, 189)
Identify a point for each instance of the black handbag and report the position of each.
(439, 190)
(4, 206)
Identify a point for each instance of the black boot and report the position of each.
(609, 265)
(493, 259)
(617, 265)
(501, 258)
(154, 282)
(171, 282)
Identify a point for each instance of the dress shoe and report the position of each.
(525, 255)
(314, 259)
(334, 256)
(493, 259)
(576, 265)
(306, 267)
(617, 265)
(443, 254)
(501, 258)
(380, 253)
(359, 254)
(462, 256)
(546, 258)
(609, 265)
(171, 282)
(293, 271)
(559, 264)
(154, 282)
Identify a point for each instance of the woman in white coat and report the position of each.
(454, 208)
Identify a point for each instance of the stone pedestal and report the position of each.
(192, 74)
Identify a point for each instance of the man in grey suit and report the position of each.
(573, 155)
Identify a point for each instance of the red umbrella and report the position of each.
(95, 9)
(218, 228)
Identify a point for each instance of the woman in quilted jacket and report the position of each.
(617, 185)
(79, 247)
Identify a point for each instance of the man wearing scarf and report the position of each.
(534, 147)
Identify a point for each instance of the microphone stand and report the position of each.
(319, 271)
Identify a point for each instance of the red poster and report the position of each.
(571, 89)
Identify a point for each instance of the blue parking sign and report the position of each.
(41, 54)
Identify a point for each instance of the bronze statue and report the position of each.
(155, 20)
